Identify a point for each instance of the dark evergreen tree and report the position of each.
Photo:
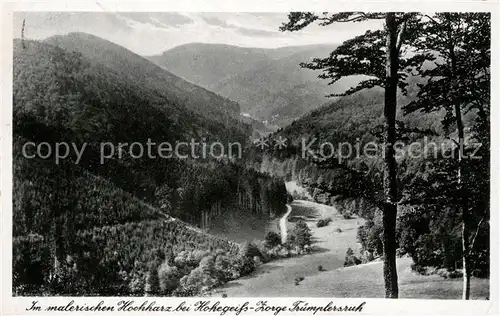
(459, 83)
(375, 54)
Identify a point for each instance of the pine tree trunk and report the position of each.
(462, 198)
(463, 206)
(390, 185)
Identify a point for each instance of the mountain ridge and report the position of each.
(140, 69)
(269, 84)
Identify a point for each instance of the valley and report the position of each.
(328, 250)
(362, 214)
(276, 278)
(157, 211)
(269, 84)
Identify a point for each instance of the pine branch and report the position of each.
(362, 55)
(366, 84)
(300, 20)
(361, 183)
(437, 24)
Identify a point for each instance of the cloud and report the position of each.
(155, 32)
(158, 19)
(215, 21)
(40, 25)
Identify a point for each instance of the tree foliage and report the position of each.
(430, 88)
(101, 229)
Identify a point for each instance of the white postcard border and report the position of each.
(18, 305)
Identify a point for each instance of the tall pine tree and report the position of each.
(376, 55)
(458, 45)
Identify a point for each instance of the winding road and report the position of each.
(284, 231)
(276, 278)
(330, 243)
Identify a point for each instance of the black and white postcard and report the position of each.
(262, 159)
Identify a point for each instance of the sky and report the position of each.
(153, 33)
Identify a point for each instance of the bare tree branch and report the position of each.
(471, 245)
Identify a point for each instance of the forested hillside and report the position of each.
(74, 228)
(130, 179)
(114, 219)
(258, 127)
(205, 64)
(269, 84)
(140, 70)
(429, 228)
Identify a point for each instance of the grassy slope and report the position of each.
(277, 278)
